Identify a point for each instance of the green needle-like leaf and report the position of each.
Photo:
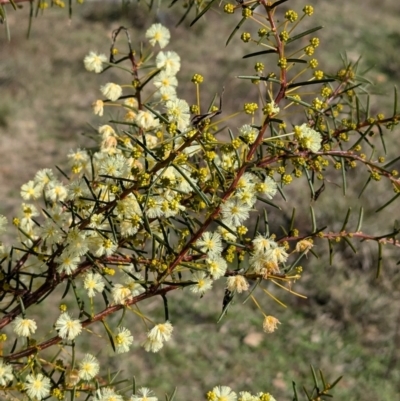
(314, 223)
(365, 186)
(358, 110)
(268, 202)
(280, 190)
(291, 225)
(314, 253)
(350, 244)
(227, 301)
(379, 268)
(193, 185)
(166, 310)
(363, 135)
(382, 138)
(296, 60)
(22, 306)
(300, 35)
(257, 77)
(295, 395)
(237, 27)
(236, 244)
(266, 223)
(148, 79)
(158, 115)
(387, 203)
(2, 13)
(294, 100)
(172, 396)
(323, 379)
(360, 219)
(391, 162)
(14, 346)
(314, 376)
(260, 53)
(336, 382)
(202, 12)
(14, 6)
(308, 395)
(305, 83)
(257, 283)
(225, 226)
(184, 283)
(133, 385)
(346, 220)
(4, 19)
(220, 174)
(232, 138)
(344, 177)
(296, 262)
(330, 252)
(277, 3)
(109, 334)
(348, 89)
(185, 14)
(241, 22)
(310, 184)
(122, 317)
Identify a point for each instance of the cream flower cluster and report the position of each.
(89, 367)
(6, 373)
(308, 138)
(68, 328)
(234, 212)
(24, 327)
(158, 34)
(37, 386)
(215, 266)
(123, 340)
(95, 62)
(267, 256)
(129, 288)
(237, 209)
(167, 64)
(156, 337)
(3, 224)
(109, 394)
(225, 393)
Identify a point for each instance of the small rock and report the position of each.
(253, 339)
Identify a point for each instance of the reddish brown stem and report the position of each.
(100, 316)
(15, 1)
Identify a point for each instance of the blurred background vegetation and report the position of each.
(349, 324)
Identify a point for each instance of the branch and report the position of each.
(100, 316)
(15, 1)
(383, 239)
